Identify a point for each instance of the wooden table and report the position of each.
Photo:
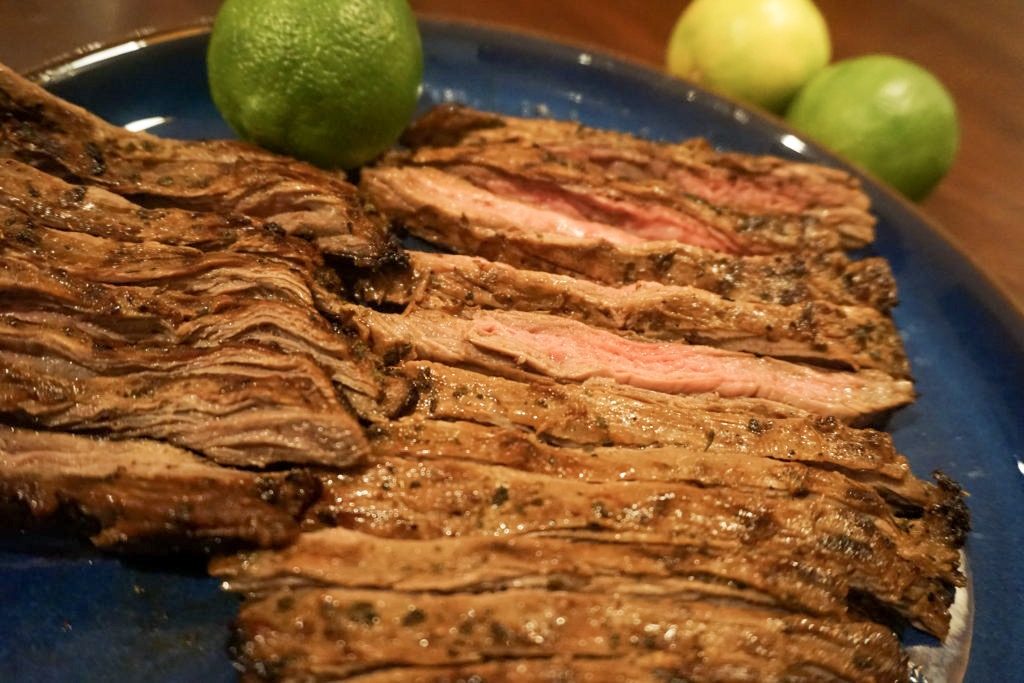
(974, 48)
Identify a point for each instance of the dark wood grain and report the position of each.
(974, 48)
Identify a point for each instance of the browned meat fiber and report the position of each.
(655, 666)
(151, 293)
(514, 344)
(840, 336)
(599, 413)
(925, 524)
(427, 203)
(904, 566)
(148, 497)
(578, 205)
(238, 405)
(603, 413)
(757, 466)
(545, 149)
(223, 176)
(214, 348)
(475, 564)
(387, 635)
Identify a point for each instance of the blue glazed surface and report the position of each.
(67, 614)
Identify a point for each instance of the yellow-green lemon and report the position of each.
(757, 51)
(329, 81)
(886, 114)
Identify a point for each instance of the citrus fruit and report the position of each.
(758, 51)
(884, 113)
(329, 81)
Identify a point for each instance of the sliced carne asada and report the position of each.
(482, 471)
(205, 359)
(481, 563)
(143, 496)
(877, 556)
(764, 185)
(527, 183)
(239, 404)
(420, 200)
(232, 177)
(520, 345)
(651, 666)
(610, 214)
(843, 336)
(795, 472)
(337, 634)
(44, 200)
(258, 290)
(184, 297)
(601, 413)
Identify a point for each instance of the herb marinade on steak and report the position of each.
(626, 447)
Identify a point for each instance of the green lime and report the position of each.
(330, 81)
(884, 113)
(758, 51)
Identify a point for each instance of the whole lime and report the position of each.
(758, 51)
(884, 113)
(333, 82)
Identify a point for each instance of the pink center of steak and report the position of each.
(761, 193)
(723, 189)
(506, 203)
(483, 207)
(648, 222)
(571, 351)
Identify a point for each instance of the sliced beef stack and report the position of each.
(615, 440)
(545, 195)
(843, 336)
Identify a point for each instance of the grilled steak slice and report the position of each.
(181, 278)
(335, 634)
(212, 362)
(184, 296)
(238, 405)
(349, 559)
(843, 336)
(428, 204)
(795, 473)
(33, 197)
(528, 183)
(905, 569)
(646, 667)
(515, 344)
(601, 413)
(143, 496)
(225, 176)
(740, 182)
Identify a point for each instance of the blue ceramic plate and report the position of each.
(68, 614)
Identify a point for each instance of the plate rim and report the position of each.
(67, 64)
